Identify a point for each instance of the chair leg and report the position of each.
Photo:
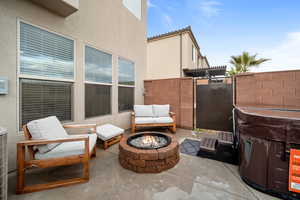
(21, 169)
(133, 128)
(173, 128)
(86, 163)
(94, 152)
(105, 145)
(86, 170)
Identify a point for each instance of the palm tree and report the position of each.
(244, 62)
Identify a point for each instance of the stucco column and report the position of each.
(78, 100)
(114, 97)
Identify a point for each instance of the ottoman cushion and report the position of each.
(108, 131)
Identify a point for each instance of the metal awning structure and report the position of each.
(206, 72)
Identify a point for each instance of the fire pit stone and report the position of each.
(149, 160)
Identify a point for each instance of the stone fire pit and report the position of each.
(149, 152)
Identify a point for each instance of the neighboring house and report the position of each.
(83, 61)
(168, 54)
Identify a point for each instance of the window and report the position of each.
(134, 6)
(97, 100)
(126, 84)
(98, 78)
(41, 99)
(45, 54)
(46, 74)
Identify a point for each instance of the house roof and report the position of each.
(187, 29)
(204, 72)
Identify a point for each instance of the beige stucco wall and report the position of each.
(187, 44)
(104, 24)
(163, 58)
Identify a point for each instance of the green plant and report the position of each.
(243, 63)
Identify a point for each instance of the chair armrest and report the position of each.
(62, 140)
(92, 127)
(80, 126)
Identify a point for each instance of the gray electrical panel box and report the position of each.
(3, 85)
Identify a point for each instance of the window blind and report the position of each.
(41, 99)
(125, 98)
(45, 54)
(98, 66)
(97, 100)
(126, 72)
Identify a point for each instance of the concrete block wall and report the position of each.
(280, 89)
(178, 92)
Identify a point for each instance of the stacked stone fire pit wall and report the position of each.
(149, 161)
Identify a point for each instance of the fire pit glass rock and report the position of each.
(149, 141)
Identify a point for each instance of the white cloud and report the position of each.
(284, 56)
(150, 4)
(167, 20)
(210, 8)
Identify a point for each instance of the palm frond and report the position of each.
(243, 62)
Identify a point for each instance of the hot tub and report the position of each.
(265, 137)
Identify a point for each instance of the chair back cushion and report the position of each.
(143, 110)
(161, 110)
(46, 128)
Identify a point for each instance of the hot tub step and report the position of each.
(208, 144)
(225, 138)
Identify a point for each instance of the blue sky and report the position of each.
(270, 28)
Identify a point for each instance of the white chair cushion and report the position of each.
(161, 110)
(68, 148)
(163, 120)
(108, 131)
(46, 128)
(144, 120)
(143, 110)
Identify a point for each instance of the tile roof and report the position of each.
(171, 33)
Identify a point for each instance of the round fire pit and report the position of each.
(149, 141)
(149, 152)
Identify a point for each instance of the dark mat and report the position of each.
(224, 153)
(190, 147)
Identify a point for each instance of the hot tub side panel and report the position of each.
(264, 144)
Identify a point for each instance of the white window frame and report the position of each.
(34, 77)
(123, 85)
(98, 83)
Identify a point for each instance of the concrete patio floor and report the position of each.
(192, 178)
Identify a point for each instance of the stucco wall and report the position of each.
(187, 61)
(163, 58)
(106, 25)
(275, 89)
